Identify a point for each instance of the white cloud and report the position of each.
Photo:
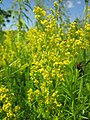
(78, 2)
(69, 4)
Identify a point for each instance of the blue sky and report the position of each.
(75, 7)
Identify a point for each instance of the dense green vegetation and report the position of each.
(45, 71)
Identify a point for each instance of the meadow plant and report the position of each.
(40, 70)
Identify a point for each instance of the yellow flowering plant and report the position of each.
(7, 109)
(43, 68)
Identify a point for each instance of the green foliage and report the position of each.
(21, 11)
(4, 17)
(0, 1)
(39, 76)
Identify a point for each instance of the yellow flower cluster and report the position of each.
(6, 101)
(39, 12)
(48, 57)
(51, 56)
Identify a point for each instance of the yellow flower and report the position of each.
(30, 95)
(16, 108)
(37, 92)
(6, 106)
(78, 42)
(44, 13)
(43, 22)
(66, 62)
(55, 4)
(68, 53)
(37, 16)
(9, 114)
(47, 100)
(54, 94)
(63, 79)
(36, 81)
(59, 75)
